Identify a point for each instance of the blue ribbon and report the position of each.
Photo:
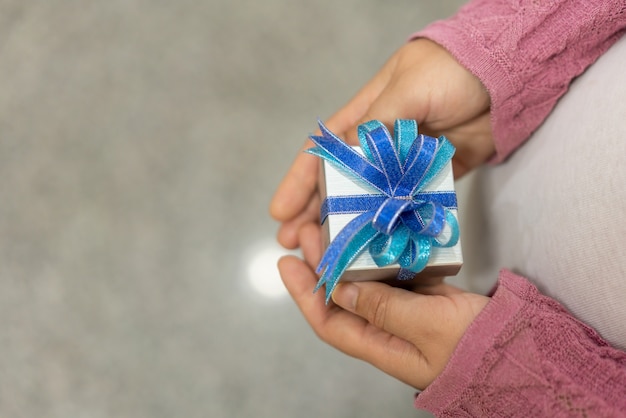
(400, 223)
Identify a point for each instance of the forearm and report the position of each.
(526, 355)
(526, 53)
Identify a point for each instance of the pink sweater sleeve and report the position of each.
(526, 356)
(526, 53)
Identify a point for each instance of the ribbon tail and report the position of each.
(405, 274)
(347, 245)
(322, 153)
(360, 242)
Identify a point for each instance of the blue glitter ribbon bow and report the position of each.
(398, 222)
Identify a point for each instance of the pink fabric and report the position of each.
(525, 356)
(526, 53)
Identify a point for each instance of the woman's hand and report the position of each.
(409, 335)
(421, 81)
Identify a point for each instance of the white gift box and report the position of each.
(442, 262)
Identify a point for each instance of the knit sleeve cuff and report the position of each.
(466, 47)
(469, 356)
(526, 54)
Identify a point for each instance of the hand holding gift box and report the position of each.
(389, 208)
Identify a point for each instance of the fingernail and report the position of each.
(345, 295)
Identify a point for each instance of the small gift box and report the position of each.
(389, 208)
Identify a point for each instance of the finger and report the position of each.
(385, 109)
(388, 308)
(336, 326)
(441, 289)
(310, 237)
(300, 281)
(350, 333)
(357, 108)
(288, 233)
(406, 316)
(395, 101)
(434, 323)
(414, 283)
(300, 182)
(297, 187)
(427, 286)
(473, 141)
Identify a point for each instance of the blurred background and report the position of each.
(140, 144)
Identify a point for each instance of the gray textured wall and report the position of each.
(140, 143)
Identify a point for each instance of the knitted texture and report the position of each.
(526, 53)
(526, 356)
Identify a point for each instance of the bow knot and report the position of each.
(388, 214)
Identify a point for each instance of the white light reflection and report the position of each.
(263, 274)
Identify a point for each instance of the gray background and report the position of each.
(140, 143)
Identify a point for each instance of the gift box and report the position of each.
(388, 206)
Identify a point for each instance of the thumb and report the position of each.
(390, 105)
(388, 308)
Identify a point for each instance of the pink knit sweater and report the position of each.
(526, 53)
(525, 355)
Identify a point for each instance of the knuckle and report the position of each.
(323, 335)
(377, 309)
